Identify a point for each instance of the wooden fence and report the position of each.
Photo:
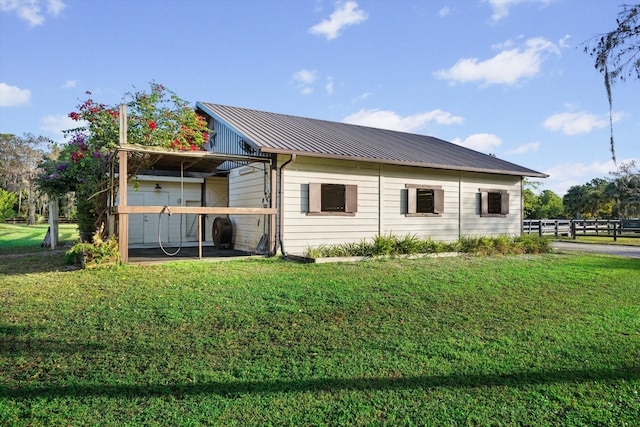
(582, 227)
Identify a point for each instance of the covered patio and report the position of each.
(193, 161)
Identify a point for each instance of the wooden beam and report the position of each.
(123, 218)
(194, 210)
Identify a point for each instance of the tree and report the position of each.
(549, 206)
(87, 164)
(574, 201)
(617, 55)
(594, 199)
(7, 202)
(530, 201)
(19, 159)
(626, 188)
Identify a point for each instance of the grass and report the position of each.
(549, 339)
(391, 245)
(15, 238)
(603, 240)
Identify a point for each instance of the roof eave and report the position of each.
(531, 173)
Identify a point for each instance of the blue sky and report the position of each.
(507, 77)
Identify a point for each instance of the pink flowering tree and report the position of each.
(86, 164)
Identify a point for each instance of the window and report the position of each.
(494, 203)
(424, 200)
(333, 199)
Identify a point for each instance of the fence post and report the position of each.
(573, 229)
(615, 234)
(540, 228)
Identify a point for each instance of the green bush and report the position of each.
(98, 253)
(389, 245)
(7, 201)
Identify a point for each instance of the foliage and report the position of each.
(591, 200)
(19, 158)
(617, 54)
(548, 205)
(550, 340)
(75, 167)
(86, 164)
(626, 189)
(390, 245)
(530, 202)
(97, 253)
(7, 202)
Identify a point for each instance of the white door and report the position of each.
(143, 228)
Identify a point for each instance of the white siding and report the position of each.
(382, 203)
(144, 228)
(247, 190)
(216, 195)
(302, 230)
(394, 207)
(472, 223)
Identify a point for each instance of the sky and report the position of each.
(503, 77)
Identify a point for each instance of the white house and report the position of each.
(288, 183)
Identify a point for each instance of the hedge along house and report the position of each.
(326, 183)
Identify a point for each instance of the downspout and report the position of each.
(281, 197)
(459, 205)
(521, 205)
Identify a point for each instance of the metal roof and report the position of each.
(286, 134)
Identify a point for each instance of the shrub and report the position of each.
(410, 244)
(7, 201)
(98, 253)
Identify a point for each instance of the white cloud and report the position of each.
(525, 148)
(393, 121)
(445, 11)
(13, 96)
(501, 7)
(54, 7)
(56, 123)
(305, 76)
(344, 15)
(565, 175)
(507, 67)
(480, 142)
(362, 97)
(304, 80)
(575, 123)
(70, 84)
(329, 86)
(31, 10)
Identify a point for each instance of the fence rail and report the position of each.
(582, 227)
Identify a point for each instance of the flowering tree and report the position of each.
(86, 164)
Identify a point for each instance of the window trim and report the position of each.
(412, 200)
(484, 203)
(315, 200)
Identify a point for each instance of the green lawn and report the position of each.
(15, 238)
(603, 240)
(519, 340)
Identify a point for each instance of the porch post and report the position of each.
(123, 218)
(53, 222)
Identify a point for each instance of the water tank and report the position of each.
(222, 233)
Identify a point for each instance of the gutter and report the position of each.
(281, 197)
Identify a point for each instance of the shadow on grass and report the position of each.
(15, 339)
(44, 261)
(237, 389)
